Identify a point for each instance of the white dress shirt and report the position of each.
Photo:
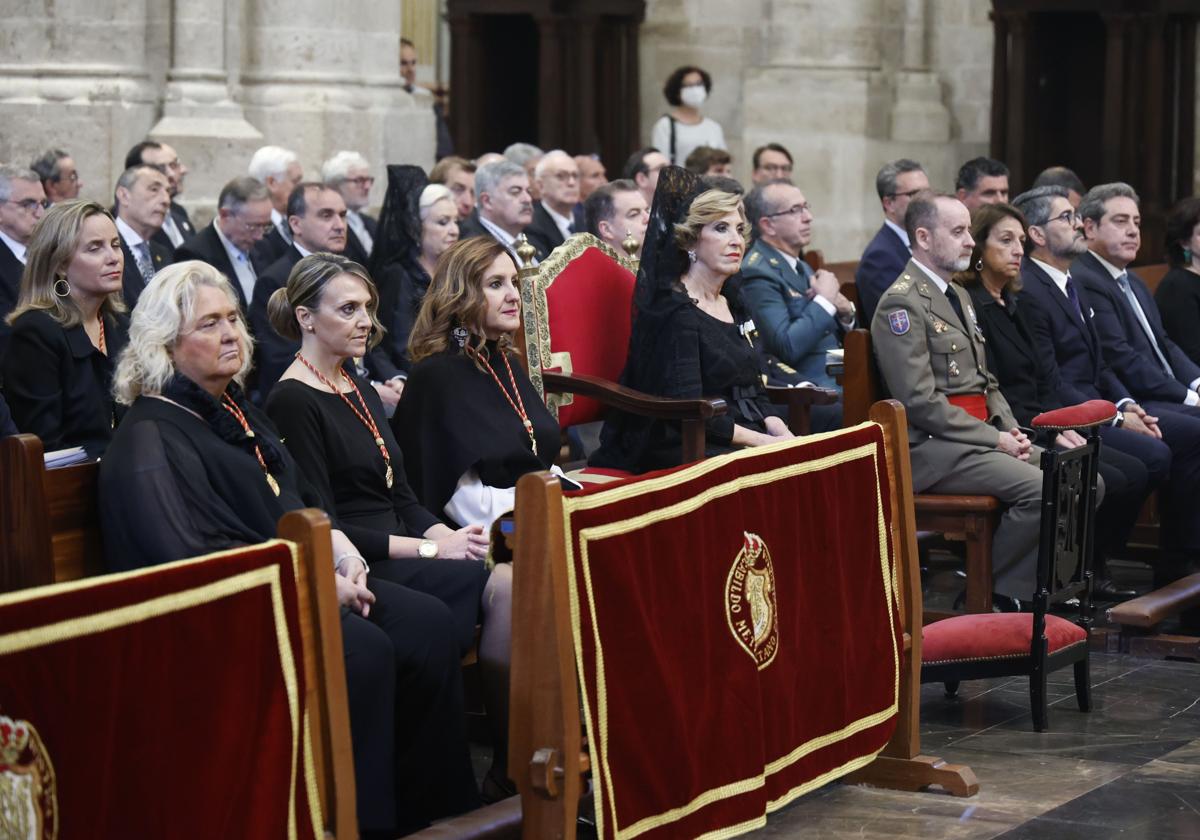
(281, 224)
(899, 231)
(504, 238)
(241, 264)
(354, 219)
(562, 222)
(13, 245)
(172, 230)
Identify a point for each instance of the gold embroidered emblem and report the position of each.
(755, 257)
(953, 371)
(28, 796)
(750, 606)
(773, 261)
(938, 326)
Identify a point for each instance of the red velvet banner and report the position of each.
(166, 702)
(737, 633)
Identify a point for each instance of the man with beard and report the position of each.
(963, 437)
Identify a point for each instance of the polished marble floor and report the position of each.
(1128, 769)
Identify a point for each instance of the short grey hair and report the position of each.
(271, 162)
(164, 308)
(1035, 204)
(431, 195)
(47, 166)
(337, 168)
(237, 192)
(522, 153)
(489, 176)
(885, 180)
(129, 177)
(757, 203)
(549, 158)
(10, 173)
(1092, 205)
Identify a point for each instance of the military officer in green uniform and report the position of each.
(962, 435)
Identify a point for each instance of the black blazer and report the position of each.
(1125, 344)
(11, 269)
(7, 426)
(1012, 357)
(271, 247)
(355, 249)
(542, 232)
(1178, 300)
(133, 283)
(471, 226)
(1069, 345)
(182, 221)
(272, 352)
(881, 265)
(206, 246)
(59, 386)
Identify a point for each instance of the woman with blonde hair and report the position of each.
(690, 337)
(68, 327)
(195, 468)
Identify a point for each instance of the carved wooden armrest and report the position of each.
(800, 402)
(635, 402)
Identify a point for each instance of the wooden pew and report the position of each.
(548, 753)
(1151, 274)
(970, 519)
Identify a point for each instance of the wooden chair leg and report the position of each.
(1083, 684)
(1037, 698)
(952, 688)
(979, 565)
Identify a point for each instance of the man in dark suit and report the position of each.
(279, 170)
(22, 202)
(557, 180)
(227, 244)
(800, 313)
(177, 225)
(888, 253)
(349, 174)
(504, 207)
(143, 201)
(60, 178)
(1153, 371)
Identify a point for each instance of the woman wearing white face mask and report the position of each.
(683, 128)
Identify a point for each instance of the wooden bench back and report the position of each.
(49, 522)
(1152, 274)
(861, 383)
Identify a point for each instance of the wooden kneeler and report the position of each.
(901, 766)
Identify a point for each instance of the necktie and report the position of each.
(1123, 282)
(285, 231)
(145, 261)
(958, 310)
(1074, 298)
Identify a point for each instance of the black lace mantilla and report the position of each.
(191, 396)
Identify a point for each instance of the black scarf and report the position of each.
(191, 396)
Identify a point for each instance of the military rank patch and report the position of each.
(898, 321)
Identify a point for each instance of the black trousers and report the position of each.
(404, 679)
(1180, 507)
(1127, 483)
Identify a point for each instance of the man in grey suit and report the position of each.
(800, 313)
(963, 437)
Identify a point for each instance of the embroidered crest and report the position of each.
(28, 795)
(898, 321)
(750, 605)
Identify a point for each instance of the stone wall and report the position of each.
(215, 78)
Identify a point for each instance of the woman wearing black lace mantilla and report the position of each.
(690, 337)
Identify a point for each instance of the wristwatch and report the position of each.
(428, 549)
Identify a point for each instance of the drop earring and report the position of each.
(979, 265)
(691, 256)
(63, 290)
(459, 335)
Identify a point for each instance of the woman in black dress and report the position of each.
(1029, 381)
(416, 226)
(689, 335)
(67, 330)
(196, 468)
(1178, 293)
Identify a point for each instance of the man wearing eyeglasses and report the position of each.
(799, 313)
(557, 179)
(771, 162)
(350, 175)
(228, 243)
(888, 253)
(59, 177)
(22, 202)
(177, 225)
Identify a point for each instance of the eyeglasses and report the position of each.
(29, 204)
(908, 194)
(566, 177)
(794, 210)
(264, 228)
(777, 168)
(362, 181)
(1068, 216)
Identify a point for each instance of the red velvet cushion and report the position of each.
(1090, 413)
(967, 638)
(590, 303)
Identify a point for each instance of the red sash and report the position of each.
(973, 404)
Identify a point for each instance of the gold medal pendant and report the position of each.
(273, 484)
(389, 476)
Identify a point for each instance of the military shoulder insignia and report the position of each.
(773, 261)
(750, 604)
(753, 258)
(898, 321)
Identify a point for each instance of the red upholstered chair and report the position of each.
(976, 646)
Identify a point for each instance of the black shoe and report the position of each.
(1105, 589)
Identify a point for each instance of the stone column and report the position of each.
(81, 76)
(918, 114)
(200, 117)
(320, 77)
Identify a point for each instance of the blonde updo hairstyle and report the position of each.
(166, 306)
(51, 249)
(306, 286)
(455, 299)
(431, 195)
(707, 208)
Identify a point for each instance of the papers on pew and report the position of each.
(65, 457)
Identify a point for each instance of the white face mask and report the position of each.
(693, 95)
